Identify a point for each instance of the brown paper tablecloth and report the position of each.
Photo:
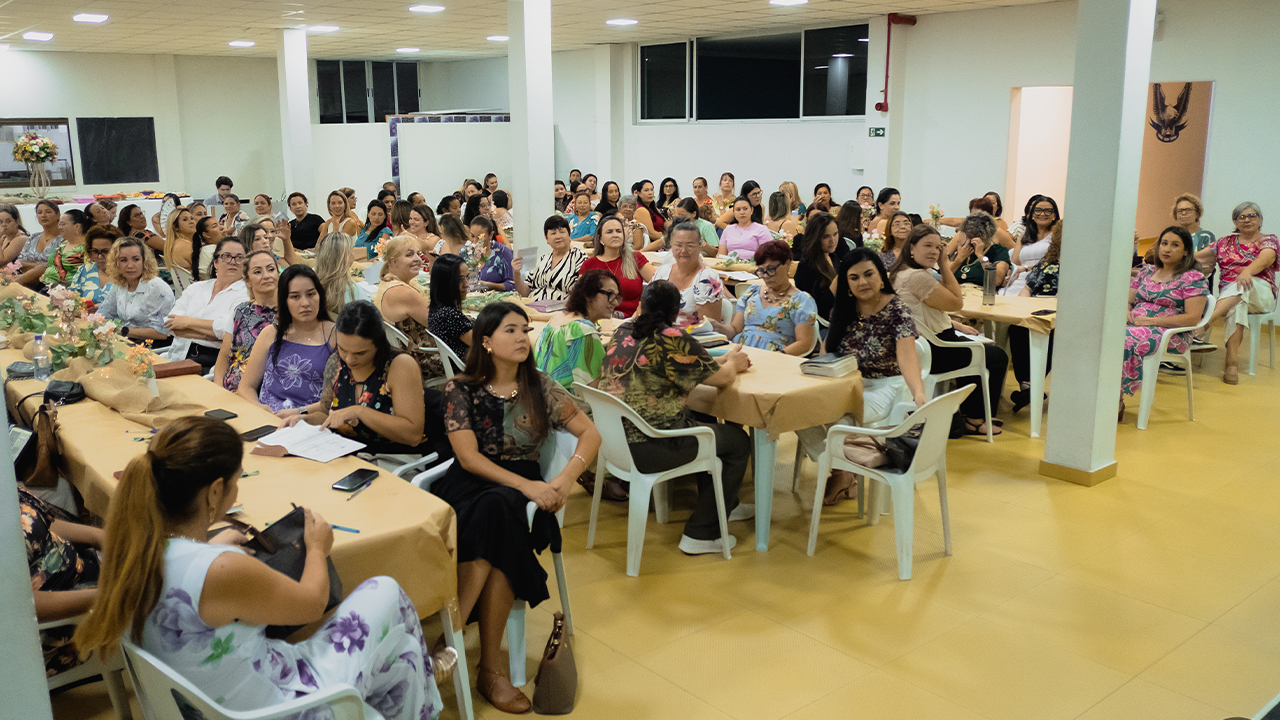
(1014, 310)
(774, 395)
(405, 533)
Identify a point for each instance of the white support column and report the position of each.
(1112, 71)
(26, 694)
(533, 164)
(295, 112)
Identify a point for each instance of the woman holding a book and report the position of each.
(777, 316)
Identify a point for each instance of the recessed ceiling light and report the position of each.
(843, 55)
(497, 38)
(37, 36)
(426, 8)
(407, 51)
(621, 22)
(819, 67)
(242, 43)
(787, 3)
(864, 39)
(89, 18)
(323, 28)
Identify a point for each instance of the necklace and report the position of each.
(177, 535)
(773, 298)
(508, 398)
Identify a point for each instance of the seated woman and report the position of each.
(402, 303)
(755, 196)
(972, 248)
(779, 222)
(777, 316)
(687, 210)
(744, 235)
(1170, 294)
(888, 203)
(557, 271)
(375, 229)
(194, 596)
(448, 290)
(260, 236)
(929, 302)
(820, 252)
(333, 267)
(497, 415)
(652, 366)
(203, 314)
(1032, 242)
(899, 228)
(179, 229)
(1042, 281)
(700, 287)
(569, 349)
(494, 259)
(209, 232)
(991, 205)
(582, 223)
(647, 213)
(285, 372)
(454, 238)
(849, 221)
(249, 319)
(35, 253)
(133, 222)
(65, 262)
(422, 225)
(634, 230)
(339, 221)
(138, 301)
(90, 281)
(614, 253)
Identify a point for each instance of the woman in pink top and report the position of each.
(743, 236)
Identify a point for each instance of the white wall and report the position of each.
(464, 85)
(573, 78)
(435, 157)
(338, 164)
(1040, 142)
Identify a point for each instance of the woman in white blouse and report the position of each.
(138, 300)
(557, 271)
(204, 313)
(699, 285)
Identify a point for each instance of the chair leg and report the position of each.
(986, 404)
(558, 559)
(115, 690)
(942, 502)
(637, 517)
(1150, 373)
(595, 502)
(1191, 406)
(903, 497)
(824, 469)
(795, 469)
(718, 486)
(661, 502)
(1255, 336)
(515, 642)
(461, 674)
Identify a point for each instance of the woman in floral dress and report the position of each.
(249, 319)
(1168, 294)
(285, 372)
(493, 258)
(778, 316)
(202, 606)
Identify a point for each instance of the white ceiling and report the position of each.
(372, 29)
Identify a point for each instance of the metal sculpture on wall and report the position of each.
(1169, 123)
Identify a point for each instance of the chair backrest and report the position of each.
(398, 340)
(924, 351)
(936, 417)
(813, 344)
(607, 412)
(452, 363)
(181, 280)
(727, 309)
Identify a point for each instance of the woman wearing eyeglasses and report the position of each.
(90, 280)
(569, 349)
(700, 286)
(1033, 242)
(1186, 212)
(778, 316)
(204, 313)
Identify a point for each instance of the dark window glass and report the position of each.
(384, 91)
(407, 87)
(329, 91)
(835, 71)
(749, 78)
(662, 82)
(354, 90)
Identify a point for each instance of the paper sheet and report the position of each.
(312, 442)
(741, 275)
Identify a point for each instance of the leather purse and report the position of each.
(557, 678)
(63, 392)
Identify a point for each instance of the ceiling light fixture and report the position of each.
(621, 22)
(843, 55)
(37, 36)
(497, 38)
(407, 51)
(788, 3)
(89, 18)
(864, 39)
(819, 67)
(323, 28)
(242, 43)
(426, 8)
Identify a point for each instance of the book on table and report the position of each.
(829, 365)
(707, 335)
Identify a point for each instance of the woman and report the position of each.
(849, 221)
(609, 198)
(614, 253)
(233, 219)
(700, 286)
(929, 302)
(248, 319)
(477, 206)
(822, 193)
(635, 231)
(494, 260)
(669, 196)
(497, 415)
(304, 228)
(416, 198)
(754, 195)
(449, 205)
(262, 207)
(557, 271)
(1042, 281)
(792, 191)
(1167, 295)
(13, 237)
(1187, 210)
(350, 195)
(209, 232)
(745, 235)
(375, 229)
(401, 300)
(339, 221)
(333, 267)
(1032, 243)
(40, 246)
(400, 216)
(569, 348)
(700, 196)
(582, 224)
(133, 223)
(90, 281)
(778, 316)
(899, 228)
(991, 205)
(888, 203)
(138, 301)
(1247, 261)
(780, 224)
(454, 240)
(491, 183)
(723, 200)
(199, 210)
(448, 289)
(652, 366)
(687, 210)
(64, 263)
(973, 248)
(422, 225)
(866, 196)
(203, 314)
(647, 213)
(820, 254)
(590, 182)
(562, 197)
(258, 237)
(186, 598)
(179, 230)
(285, 371)
(502, 215)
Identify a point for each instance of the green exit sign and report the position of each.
(875, 132)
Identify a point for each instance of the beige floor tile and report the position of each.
(753, 668)
(1236, 672)
(1141, 699)
(881, 696)
(1256, 615)
(1003, 674)
(1226, 536)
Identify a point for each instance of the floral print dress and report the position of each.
(55, 564)
(654, 376)
(1156, 299)
(875, 339)
(774, 328)
(295, 377)
(373, 642)
(246, 324)
(706, 287)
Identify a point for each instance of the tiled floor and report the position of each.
(1153, 595)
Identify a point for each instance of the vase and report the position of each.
(39, 179)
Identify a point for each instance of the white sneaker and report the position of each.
(744, 511)
(689, 546)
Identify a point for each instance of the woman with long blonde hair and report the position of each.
(333, 267)
(178, 231)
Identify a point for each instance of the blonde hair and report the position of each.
(333, 268)
(150, 268)
(1187, 197)
(171, 233)
(793, 194)
(630, 269)
(394, 248)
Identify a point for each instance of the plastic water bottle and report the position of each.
(41, 358)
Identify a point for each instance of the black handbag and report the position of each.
(63, 392)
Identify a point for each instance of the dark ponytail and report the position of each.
(659, 307)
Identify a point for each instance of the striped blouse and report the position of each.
(554, 283)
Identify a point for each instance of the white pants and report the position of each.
(1239, 315)
(879, 396)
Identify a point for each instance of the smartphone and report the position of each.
(257, 432)
(1042, 313)
(221, 414)
(356, 480)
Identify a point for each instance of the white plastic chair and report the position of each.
(158, 688)
(400, 341)
(977, 366)
(181, 280)
(615, 457)
(1256, 321)
(930, 460)
(452, 363)
(112, 672)
(1151, 366)
(727, 310)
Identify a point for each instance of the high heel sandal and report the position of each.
(515, 702)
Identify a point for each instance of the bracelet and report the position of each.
(584, 460)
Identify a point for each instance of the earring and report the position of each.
(488, 349)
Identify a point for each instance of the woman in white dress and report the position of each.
(1033, 242)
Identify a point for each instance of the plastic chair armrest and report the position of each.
(60, 623)
(336, 696)
(705, 436)
(422, 463)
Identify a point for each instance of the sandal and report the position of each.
(1230, 375)
(501, 694)
(846, 488)
(970, 429)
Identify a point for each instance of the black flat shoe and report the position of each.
(1020, 399)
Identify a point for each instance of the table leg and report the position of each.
(765, 452)
(1039, 344)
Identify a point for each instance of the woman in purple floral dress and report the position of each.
(249, 319)
(202, 606)
(1168, 294)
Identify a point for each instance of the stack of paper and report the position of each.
(829, 365)
(312, 442)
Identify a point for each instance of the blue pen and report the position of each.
(344, 529)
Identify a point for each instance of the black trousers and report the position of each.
(946, 359)
(733, 447)
(1020, 348)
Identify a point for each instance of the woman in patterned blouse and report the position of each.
(249, 319)
(557, 271)
(778, 316)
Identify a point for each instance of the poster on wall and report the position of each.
(14, 173)
(1173, 148)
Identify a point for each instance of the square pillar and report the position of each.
(533, 164)
(295, 112)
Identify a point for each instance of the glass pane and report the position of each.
(329, 91)
(835, 71)
(749, 78)
(384, 91)
(662, 82)
(407, 87)
(353, 88)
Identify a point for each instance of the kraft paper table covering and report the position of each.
(776, 396)
(1014, 310)
(404, 532)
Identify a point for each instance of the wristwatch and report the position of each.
(124, 331)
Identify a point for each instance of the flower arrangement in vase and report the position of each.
(935, 214)
(9, 273)
(873, 242)
(22, 312)
(70, 306)
(140, 361)
(35, 151)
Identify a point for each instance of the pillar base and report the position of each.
(1077, 476)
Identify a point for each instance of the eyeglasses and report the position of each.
(98, 253)
(1248, 216)
(1184, 211)
(689, 247)
(764, 271)
(1043, 212)
(611, 296)
(228, 257)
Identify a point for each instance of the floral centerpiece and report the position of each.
(141, 361)
(19, 308)
(35, 151)
(873, 241)
(93, 338)
(935, 214)
(70, 306)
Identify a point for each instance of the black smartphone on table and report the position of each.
(356, 480)
(1042, 313)
(221, 414)
(258, 432)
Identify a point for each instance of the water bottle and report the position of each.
(988, 282)
(41, 358)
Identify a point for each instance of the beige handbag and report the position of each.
(557, 678)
